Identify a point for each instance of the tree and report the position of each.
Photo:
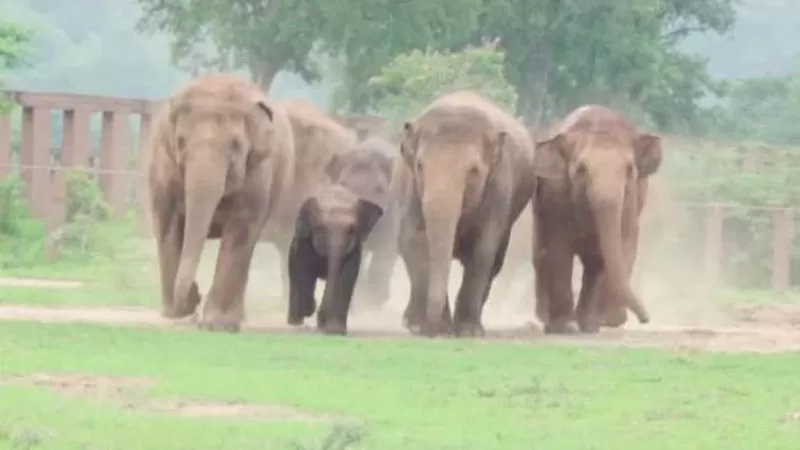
(262, 37)
(13, 41)
(412, 80)
(566, 52)
(368, 34)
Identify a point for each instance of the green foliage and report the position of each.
(85, 232)
(22, 237)
(13, 43)
(765, 108)
(411, 81)
(572, 52)
(262, 37)
(88, 233)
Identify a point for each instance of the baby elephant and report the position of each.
(328, 238)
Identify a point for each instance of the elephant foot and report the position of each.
(296, 318)
(589, 325)
(328, 324)
(616, 317)
(215, 320)
(183, 309)
(469, 329)
(560, 327)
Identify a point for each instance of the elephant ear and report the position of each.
(552, 155)
(263, 117)
(368, 215)
(648, 154)
(334, 167)
(408, 143)
(306, 218)
(495, 146)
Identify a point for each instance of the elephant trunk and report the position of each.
(204, 186)
(441, 211)
(335, 254)
(607, 211)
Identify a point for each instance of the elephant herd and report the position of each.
(226, 162)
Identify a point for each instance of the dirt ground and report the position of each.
(687, 325)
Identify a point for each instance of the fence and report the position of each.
(117, 167)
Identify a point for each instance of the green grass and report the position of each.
(406, 394)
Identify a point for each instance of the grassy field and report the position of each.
(402, 394)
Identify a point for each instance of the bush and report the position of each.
(412, 80)
(22, 237)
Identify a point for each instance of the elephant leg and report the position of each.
(554, 299)
(378, 277)
(303, 261)
(589, 299)
(169, 241)
(224, 309)
(335, 307)
(283, 257)
(416, 264)
(614, 313)
(480, 266)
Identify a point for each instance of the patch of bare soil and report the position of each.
(128, 393)
(765, 330)
(40, 283)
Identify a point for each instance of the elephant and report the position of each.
(330, 232)
(377, 155)
(470, 166)
(219, 158)
(592, 173)
(317, 139)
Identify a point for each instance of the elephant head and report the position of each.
(337, 222)
(216, 141)
(452, 156)
(600, 162)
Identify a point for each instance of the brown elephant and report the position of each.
(471, 166)
(220, 156)
(331, 230)
(317, 139)
(592, 184)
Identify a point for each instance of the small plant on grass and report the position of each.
(341, 437)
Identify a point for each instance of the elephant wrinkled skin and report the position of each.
(220, 156)
(592, 184)
(471, 169)
(329, 235)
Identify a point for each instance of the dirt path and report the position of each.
(755, 337)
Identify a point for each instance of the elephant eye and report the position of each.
(629, 170)
(419, 167)
(474, 171)
(580, 170)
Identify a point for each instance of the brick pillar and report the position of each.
(114, 157)
(36, 142)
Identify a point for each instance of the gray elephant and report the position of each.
(470, 171)
(331, 229)
(593, 173)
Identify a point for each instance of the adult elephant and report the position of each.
(471, 170)
(592, 184)
(220, 157)
(318, 139)
(373, 290)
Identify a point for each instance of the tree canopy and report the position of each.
(559, 54)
